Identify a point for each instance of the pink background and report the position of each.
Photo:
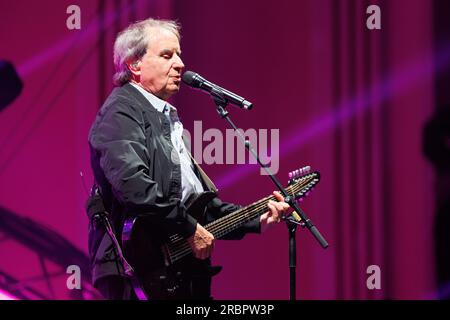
(348, 101)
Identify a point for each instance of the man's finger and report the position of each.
(278, 196)
(271, 208)
(279, 206)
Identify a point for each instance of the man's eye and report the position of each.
(167, 56)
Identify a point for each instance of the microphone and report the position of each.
(197, 81)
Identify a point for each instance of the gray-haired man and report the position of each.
(140, 161)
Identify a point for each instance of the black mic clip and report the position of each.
(218, 96)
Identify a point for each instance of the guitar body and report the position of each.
(159, 277)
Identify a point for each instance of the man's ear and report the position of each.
(135, 67)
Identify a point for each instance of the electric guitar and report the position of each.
(165, 268)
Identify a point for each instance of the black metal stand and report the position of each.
(292, 228)
(291, 221)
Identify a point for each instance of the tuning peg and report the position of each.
(294, 174)
(299, 172)
(303, 170)
(306, 169)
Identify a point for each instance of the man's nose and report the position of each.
(179, 63)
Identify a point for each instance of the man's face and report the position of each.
(159, 70)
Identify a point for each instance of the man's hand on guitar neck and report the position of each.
(276, 211)
(201, 242)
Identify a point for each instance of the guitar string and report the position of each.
(219, 228)
(179, 250)
(229, 219)
(247, 216)
(241, 212)
(223, 220)
(185, 249)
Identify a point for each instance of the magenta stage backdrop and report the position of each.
(348, 101)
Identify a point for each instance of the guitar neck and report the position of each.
(178, 247)
(223, 226)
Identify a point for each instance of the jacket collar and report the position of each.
(158, 103)
(132, 91)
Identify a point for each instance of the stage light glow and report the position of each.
(6, 296)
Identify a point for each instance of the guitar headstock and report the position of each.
(302, 181)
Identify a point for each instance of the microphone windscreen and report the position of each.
(188, 78)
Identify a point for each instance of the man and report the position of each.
(139, 159)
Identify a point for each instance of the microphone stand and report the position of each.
(291, 222)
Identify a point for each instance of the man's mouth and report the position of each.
(176, 79)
